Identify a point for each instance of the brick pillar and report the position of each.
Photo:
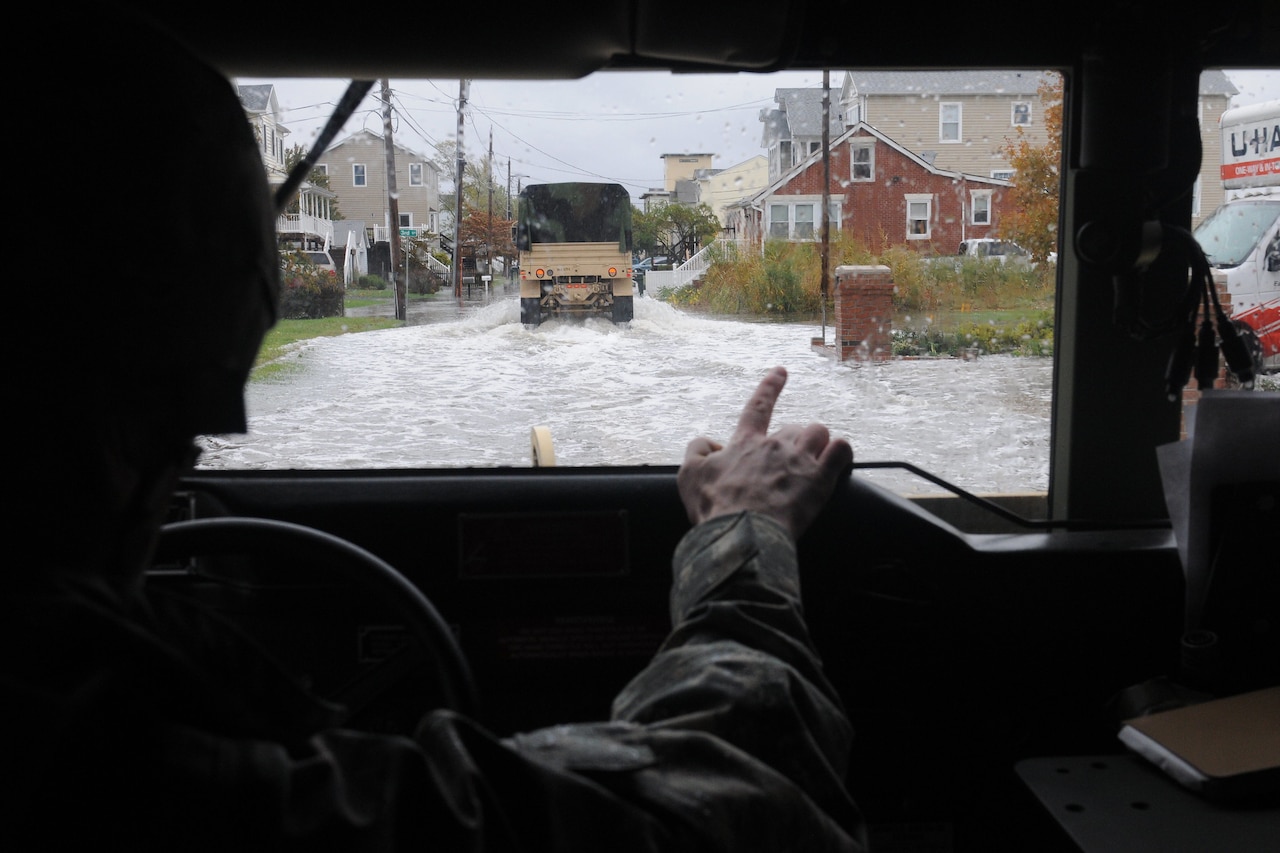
(864, 313)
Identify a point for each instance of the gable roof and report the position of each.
(368, 137)
(256, 98)
(864, 129)
(799, 114)
(1009, 82)
(349, 232)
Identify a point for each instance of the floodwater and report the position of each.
(463, 385)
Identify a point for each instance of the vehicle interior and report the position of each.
(966, 634)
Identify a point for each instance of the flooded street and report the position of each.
(463, 385)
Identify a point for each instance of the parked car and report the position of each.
(320, 259)
(643, 265)
(652, 262)
(1003, 251)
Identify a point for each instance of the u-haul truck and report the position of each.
(1242, 237)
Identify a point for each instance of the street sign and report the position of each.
(408, 232)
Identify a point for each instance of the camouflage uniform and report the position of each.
(730, 739)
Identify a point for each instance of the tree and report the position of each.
(479, 183)
(292, 157)
(674, 230)
(1031, 218)
(485, 236)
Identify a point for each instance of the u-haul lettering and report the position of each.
(1250, 146)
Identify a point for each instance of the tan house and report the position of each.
(958, 120)
(683, 167)
(723, 188)
(357, 170)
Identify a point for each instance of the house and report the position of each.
(880, 193)
(793, 129)
(262, 108)
(357, 170)
(308, 223)
(960, 120)
(719, 189)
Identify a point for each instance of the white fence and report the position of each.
(692, 269)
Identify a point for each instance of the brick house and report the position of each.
(880, 193)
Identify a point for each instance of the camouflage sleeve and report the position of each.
(739, 663)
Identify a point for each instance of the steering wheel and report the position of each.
(238, 535)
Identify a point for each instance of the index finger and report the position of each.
(756, 415)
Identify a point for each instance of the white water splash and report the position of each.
(467, 391)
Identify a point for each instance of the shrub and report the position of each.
(307, 292)
(371, 282)
(786, 278)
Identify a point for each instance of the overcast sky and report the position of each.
(611, 126)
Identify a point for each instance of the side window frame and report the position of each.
(914, 215)
(862, 160)
(950, 115)
(980, 207)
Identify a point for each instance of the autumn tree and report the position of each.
(484, 236)
(292, 157)
(1030, 218)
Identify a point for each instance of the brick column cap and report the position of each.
(850, 269)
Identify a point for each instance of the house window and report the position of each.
(862, 162)
(322, 168)
(1021, 113)
(949, 123)
(1002, 174)
(359, 178)
(415, 174)
(784, 155)
(804, 222)
(796, 220)
(815, 147)
(919, 216)
(980, 210)
(779, 221)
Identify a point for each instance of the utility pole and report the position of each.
(393, 204)
(463, 88)
(488, 240)
(826, 195)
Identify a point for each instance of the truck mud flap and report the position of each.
(623, 309)
(530, 311)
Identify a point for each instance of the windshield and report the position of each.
(446, 350)
(1233, 232)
